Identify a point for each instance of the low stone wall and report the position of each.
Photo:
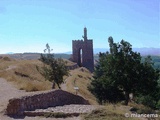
(52, 98)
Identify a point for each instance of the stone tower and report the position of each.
(83, 52)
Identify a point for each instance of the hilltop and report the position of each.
(24, 76)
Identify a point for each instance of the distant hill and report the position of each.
(10, 53)
(95, 50)
(69, 52)
(67, 55)
(142, 51)
(98, 50)
(148, 51)
(34, 56)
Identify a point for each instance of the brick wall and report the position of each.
(43, 100)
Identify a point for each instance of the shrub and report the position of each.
(158, 105)
(147, 101)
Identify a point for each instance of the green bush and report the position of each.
(147, 101)
(158, 105)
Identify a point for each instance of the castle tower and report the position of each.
(83, 52)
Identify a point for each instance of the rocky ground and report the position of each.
(69, 110)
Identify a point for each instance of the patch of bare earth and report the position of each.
(7, 91)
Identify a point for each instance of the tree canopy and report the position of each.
(53, 69)
(121, 72)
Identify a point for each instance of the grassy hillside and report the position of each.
(120, 112)
(80, 78)
(24, 75)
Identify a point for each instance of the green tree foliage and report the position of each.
(121, 70)
(53, 69)
(102, 86)
(146, 100)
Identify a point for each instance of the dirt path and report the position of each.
(11, 67)
(63, 85)
(8, 91)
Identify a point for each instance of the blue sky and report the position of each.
(27, 25)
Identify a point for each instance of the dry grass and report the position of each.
(5, 62)
(23, 74)
(69, 63)
(110, 112)
(80, 78)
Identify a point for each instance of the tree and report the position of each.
(122, 69)
(149, 94)
(53, 69)
(102, 86)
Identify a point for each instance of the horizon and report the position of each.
(143, 51)
(27, 26)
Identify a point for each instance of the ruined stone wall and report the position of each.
(87, 53)
(77, 45)
(86, 45)
(43, 100)
(88, 60)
